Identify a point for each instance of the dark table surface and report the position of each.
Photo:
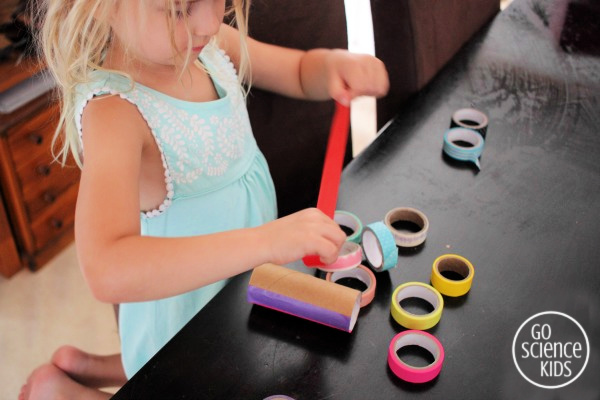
(529, 221)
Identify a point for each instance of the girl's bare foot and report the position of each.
(50, 382)
(89, 369)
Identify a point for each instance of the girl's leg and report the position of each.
(50, 382)
(89, 369)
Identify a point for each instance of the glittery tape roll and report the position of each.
(350, 221)
(421, 291)
(455, 264)
(470, 118)
(407, 372)
(361, 273)
(350, 256)
(403, 238)
(463, 153)
(379, 246)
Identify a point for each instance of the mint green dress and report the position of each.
(216, 180)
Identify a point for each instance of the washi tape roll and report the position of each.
(304, 296)
(454, 148)
(407, 372)
(348, 220)
(470, 118)
(350, 256)
(379, 246)
(407, 214)
(421, 291)
(452, 265)
(361, 273)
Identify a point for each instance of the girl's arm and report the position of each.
(318, 74)
(122, 266)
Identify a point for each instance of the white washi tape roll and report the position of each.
(403, 238)
(470, 118)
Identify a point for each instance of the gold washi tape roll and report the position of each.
(421, 291)
(454, 264)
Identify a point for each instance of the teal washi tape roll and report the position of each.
(350, 221)
(379, 246)
(470, 151)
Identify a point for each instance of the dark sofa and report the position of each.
(414, 38)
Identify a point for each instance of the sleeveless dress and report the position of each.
(216, 180)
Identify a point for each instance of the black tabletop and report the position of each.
(529, 221)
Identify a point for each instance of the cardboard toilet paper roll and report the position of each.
(304, 296)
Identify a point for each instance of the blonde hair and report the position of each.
(73, 39)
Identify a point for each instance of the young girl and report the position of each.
(154, 113)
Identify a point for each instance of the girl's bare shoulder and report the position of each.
(110, 110)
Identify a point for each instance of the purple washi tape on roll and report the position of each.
(304, 296)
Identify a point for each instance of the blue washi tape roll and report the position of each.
(350, 221)
(463, 153)
(379, 246)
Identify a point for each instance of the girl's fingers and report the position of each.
(304, 233)
(357, 75)
(329, 253)
(339, 90)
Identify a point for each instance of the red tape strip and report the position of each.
(332, 168)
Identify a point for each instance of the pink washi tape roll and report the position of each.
(363, 274)
(408, 372)
(350, 257)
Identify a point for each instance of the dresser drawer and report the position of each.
(49, 191)
(33, 137)
(56, 219)
(38, 193)
(42, 181)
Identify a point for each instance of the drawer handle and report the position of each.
(49, 197)
(36, 138)
(43, 170)
(56, 223)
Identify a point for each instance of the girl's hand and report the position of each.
(351, 75)
(307, 232)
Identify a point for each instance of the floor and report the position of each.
(43, 310)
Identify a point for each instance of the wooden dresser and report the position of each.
(38, 194)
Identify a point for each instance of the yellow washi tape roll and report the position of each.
(422, 291)
(452, 263)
